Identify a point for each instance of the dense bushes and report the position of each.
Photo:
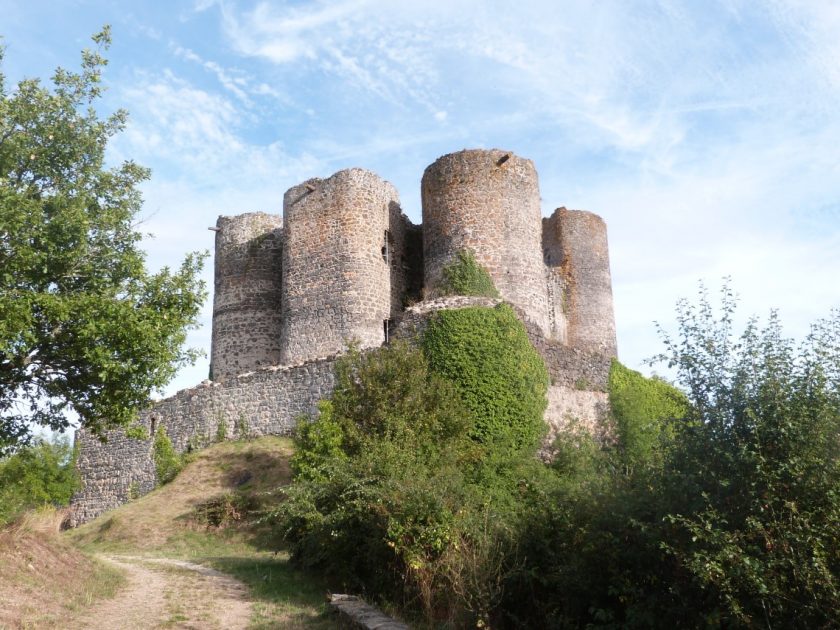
(412, 482)
(733, 523)
(37, 475)
(644, 410)
(714, 508)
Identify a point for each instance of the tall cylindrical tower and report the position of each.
(247, 296)
(342, 261)
(575, 246)
(488, 202)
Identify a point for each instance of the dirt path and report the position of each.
(161, 592)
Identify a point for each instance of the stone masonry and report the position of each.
(342, 265)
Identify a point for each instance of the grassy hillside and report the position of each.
(43, 578)
(206, 515)
(173, 518)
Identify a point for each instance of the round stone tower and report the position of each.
(343, 272)
(246, 301)
(488, 202)
(575, 247)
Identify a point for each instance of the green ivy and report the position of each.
(466, 277)
(500, 377)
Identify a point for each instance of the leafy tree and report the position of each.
(40, 474)
(85, 329)
(754, 488)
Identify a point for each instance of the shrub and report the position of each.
(167, 462)
(644, 410)
(466, 277)
(37, 475)
(755, 505)
(221, 430)
(386, 499)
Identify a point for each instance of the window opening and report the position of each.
(386, 247)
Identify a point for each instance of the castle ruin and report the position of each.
(345, 264)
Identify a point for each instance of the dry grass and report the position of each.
(164, 519)
(42, 577)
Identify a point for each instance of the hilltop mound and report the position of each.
(206, 492)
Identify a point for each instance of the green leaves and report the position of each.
(466, 277)
(85, 329)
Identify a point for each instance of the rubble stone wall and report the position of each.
(264, 402)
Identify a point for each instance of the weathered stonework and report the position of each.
(576, 253)
(343, 263)
(246, 297)
(487, 202)
(341, 266)
(264, 402)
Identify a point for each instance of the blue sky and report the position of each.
(706, 133)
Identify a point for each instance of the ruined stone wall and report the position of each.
(576, 253)
(247, 294)
(265, 402)
(487, 202)
(344, 242)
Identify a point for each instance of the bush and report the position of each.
(644, 411)
(386, 499)
(35, 476)
(466, 277)
(756, 505)
(167, 462)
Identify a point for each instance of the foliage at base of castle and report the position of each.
(727, 518)
(167, 462)
(466, 277)
(84, 328)
(646, 412)
(735, 524)
(396, 494)
(42, 474)
(499, 375)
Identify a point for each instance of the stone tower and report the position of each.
(578, 263)
(247, 294)
(488, 202)
(343, 277)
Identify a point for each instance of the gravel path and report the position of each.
(161, 592)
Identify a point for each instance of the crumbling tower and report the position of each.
(246, 298)
(488, 202)
(578, 263)
(343, 275)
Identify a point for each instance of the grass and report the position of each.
(205, 515)
(43, 579)
(284, 596)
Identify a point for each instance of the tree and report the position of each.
(754, 486)
(85, 330)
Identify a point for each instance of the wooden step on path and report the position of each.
(353, 612)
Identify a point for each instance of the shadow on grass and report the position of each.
(284, 596)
